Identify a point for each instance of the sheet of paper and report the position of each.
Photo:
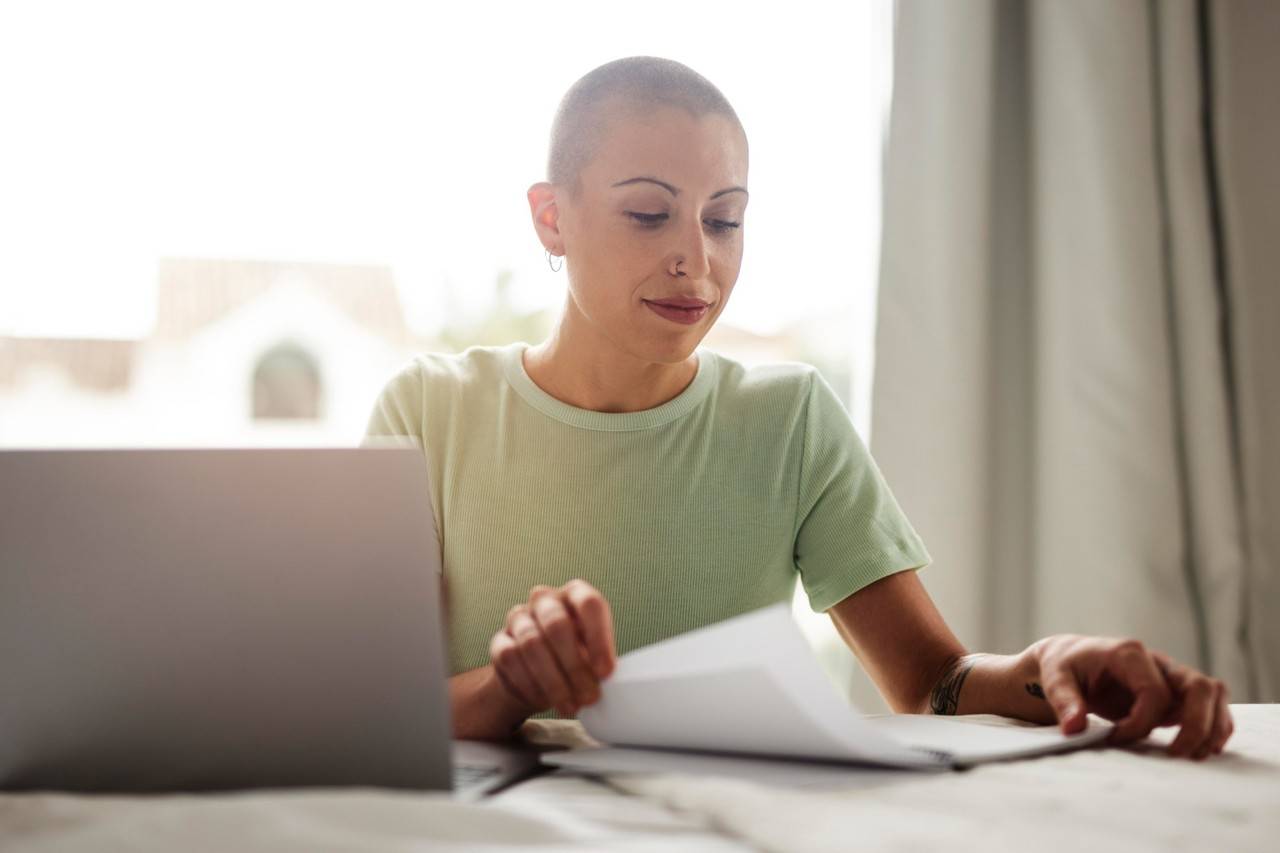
(750, 685)
(747, 685)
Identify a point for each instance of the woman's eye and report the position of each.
(649, 219)
(653, 220)
(722, 225)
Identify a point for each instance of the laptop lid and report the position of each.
(212, 619)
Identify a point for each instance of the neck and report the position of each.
(579, 366)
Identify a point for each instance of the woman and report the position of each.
(615, 484)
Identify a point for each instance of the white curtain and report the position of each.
(1076, 391)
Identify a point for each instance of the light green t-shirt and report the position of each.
(683, 515)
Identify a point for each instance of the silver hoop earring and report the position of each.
(553, 267)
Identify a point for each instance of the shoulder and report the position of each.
(432, 386)
(429, 373)
(786, 398)
(784, 383)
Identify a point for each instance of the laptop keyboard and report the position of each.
(473, 775)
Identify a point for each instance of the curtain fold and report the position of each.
(1067, 402)
(1242, 77)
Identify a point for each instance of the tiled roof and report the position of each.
(98, 365)
(195, 292)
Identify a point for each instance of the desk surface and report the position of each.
(1093, 800)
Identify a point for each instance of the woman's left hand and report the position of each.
(1137, 687)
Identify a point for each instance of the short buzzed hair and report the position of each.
(641, 81)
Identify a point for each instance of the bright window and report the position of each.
(185, 186)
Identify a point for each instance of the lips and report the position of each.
(686, 312)
(679, 302)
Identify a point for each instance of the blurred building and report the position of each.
(243, 352)
(267, 353)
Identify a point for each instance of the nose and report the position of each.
(689, 254)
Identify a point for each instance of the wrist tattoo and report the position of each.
(1036, 690)
(945, 698)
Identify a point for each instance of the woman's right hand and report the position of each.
(555, 649)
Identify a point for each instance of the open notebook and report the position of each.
(749, 686)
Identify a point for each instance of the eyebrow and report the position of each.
(666, 186)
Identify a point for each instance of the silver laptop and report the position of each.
(222, 619)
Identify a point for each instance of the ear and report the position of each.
(545, 210)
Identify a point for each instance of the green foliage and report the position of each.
(501, 324)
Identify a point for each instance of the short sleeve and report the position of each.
(397, 421)
(397, 413)
(849, 529)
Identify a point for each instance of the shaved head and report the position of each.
(625, 86)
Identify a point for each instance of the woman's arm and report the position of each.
(991, 684)
(900, 638)
(921, 667)
(903, 642)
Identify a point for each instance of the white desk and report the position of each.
(1096, 800)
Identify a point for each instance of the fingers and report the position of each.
(1175, 675)
(1223, 723)
(1200, 705)
(510, 669)
(553, 651)
(566, 645)
(538, 659)
(1200, 708)
(595, 622)
(1062, 692)
(1131, 664)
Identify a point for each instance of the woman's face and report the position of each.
(664, 187)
